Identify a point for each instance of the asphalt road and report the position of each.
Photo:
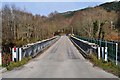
(61, 60)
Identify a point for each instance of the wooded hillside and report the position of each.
(21, 27)
(100, 22)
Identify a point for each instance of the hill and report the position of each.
(21, 27)
(115, 6)
(99, 22)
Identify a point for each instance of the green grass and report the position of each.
(107, 66)
(13, 65)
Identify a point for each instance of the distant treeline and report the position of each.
(20, 27)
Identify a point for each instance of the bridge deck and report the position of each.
(61, 60)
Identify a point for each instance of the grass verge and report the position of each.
(107, 66)
(13, 65)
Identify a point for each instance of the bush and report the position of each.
(20, 42)
(12, 65)
(6, 59)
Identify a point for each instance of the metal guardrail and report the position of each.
(87, 44)
(35, 48)
(84, 46)
(110, 44)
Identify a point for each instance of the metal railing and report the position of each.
(35, 48)
(85, 47)
(112, 47)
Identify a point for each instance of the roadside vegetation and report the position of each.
(107, 66)
(13, 65)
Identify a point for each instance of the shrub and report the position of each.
(12, 65)
(6, 59)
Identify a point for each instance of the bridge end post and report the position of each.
(98, 52)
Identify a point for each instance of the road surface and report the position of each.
(61, 60)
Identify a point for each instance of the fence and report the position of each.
(112, 47)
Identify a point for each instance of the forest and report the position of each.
(20, 27)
